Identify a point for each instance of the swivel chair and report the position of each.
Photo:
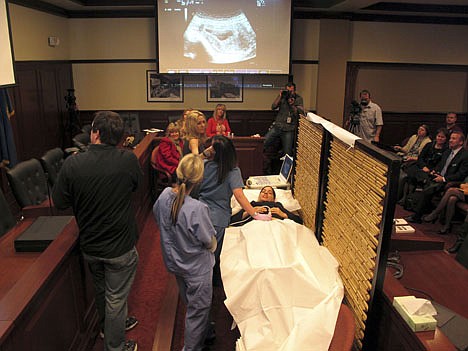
(7, 221)
(52, 161)
(81, 141)
(29, 186)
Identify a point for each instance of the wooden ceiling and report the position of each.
(432, 11)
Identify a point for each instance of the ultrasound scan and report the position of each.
(223, 39)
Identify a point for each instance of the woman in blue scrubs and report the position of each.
(188, 242)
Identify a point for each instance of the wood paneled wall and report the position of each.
(41, 115)
(243, 123)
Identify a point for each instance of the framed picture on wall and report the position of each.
(164, 87)
(225, 88)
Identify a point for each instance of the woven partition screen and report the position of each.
(306, 180)
(347, 195)
(352, 221)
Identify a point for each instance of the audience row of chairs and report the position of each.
(31, 182)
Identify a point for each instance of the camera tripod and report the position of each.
(354, 125)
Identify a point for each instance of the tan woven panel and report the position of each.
(306, 181)
(351, 225)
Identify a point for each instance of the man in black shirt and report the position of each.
(98, 185)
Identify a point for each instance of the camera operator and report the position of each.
(366, 118)
(289, 105)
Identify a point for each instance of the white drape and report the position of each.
(282, 288)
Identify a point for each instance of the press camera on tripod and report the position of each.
(354, 116)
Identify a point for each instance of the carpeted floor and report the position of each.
(148, 288)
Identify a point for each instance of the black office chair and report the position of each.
(86, 129)
(52, 161)
(7, 221)
(29, 186)
(81, 141)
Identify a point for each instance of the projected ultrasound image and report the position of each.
(223, 39)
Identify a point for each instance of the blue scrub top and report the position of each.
(184, 245)
(218, 196)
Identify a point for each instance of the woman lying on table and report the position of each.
(265, 204)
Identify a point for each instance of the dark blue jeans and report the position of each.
(286, 137)
(113, 278)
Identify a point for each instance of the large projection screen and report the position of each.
(224, 36)
(7, 73)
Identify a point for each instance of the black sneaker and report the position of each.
(130, 323)
(130, 345)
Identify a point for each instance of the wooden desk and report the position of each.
(249, 153)
(46, 299)
(437, 274)
(416, 241)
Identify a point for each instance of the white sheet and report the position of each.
(283, 289)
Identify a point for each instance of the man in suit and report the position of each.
(452, 167)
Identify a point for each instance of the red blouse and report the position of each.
(212, 124)
(167, 156)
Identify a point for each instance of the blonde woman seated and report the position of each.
(410, 151)
(195, 133)
(181, 122)
(266, 203)
(218, 124)
(167, 155)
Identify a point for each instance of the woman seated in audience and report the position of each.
(417, 173)
(447, 205)
(218, 124)
(195, 133)
(181, 122)
(410, 151)
(169, 151)
(266, 203)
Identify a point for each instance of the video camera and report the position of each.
(355, 113)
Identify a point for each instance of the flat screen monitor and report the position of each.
(224, 36)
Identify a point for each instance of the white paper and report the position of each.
(338, 132)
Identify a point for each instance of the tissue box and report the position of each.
(416, 323)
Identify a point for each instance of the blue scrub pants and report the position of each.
(197, 292)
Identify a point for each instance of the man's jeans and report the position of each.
(113, 278)
(287, 139)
